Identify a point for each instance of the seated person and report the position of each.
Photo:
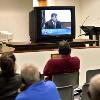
(10, 82)
(94, 88)
(65, 64)
(36, 89)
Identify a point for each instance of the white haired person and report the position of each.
(36, 89)
(94, 88)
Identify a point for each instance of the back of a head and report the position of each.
(7, 64)
(64, 48)
(94, 88)
(30, 74)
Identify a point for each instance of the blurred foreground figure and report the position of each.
(36, 89)
(10, 82)
(94, 88)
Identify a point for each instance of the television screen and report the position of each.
(54, 23)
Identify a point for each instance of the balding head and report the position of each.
(94, 87)
(30, 74)
(64, 48)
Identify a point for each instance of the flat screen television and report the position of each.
(52, 24)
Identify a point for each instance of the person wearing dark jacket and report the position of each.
(10, 82)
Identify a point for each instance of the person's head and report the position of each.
(64, 48)
(30, 74)
(54, 17)
(7, 64)
(94, 88)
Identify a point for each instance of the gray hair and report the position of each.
(30, 74)
(94, 87)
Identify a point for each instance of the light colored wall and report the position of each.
(89, 59)
(90, 8)
(14, 18)
(14, 15)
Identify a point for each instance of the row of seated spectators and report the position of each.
(28, 85)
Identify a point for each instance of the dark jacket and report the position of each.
(9, 87)
(49, 25)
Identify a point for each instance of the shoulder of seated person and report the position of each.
(75, 57)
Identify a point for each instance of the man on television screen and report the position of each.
(53, 23)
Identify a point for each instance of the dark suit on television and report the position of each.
(53, 25)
